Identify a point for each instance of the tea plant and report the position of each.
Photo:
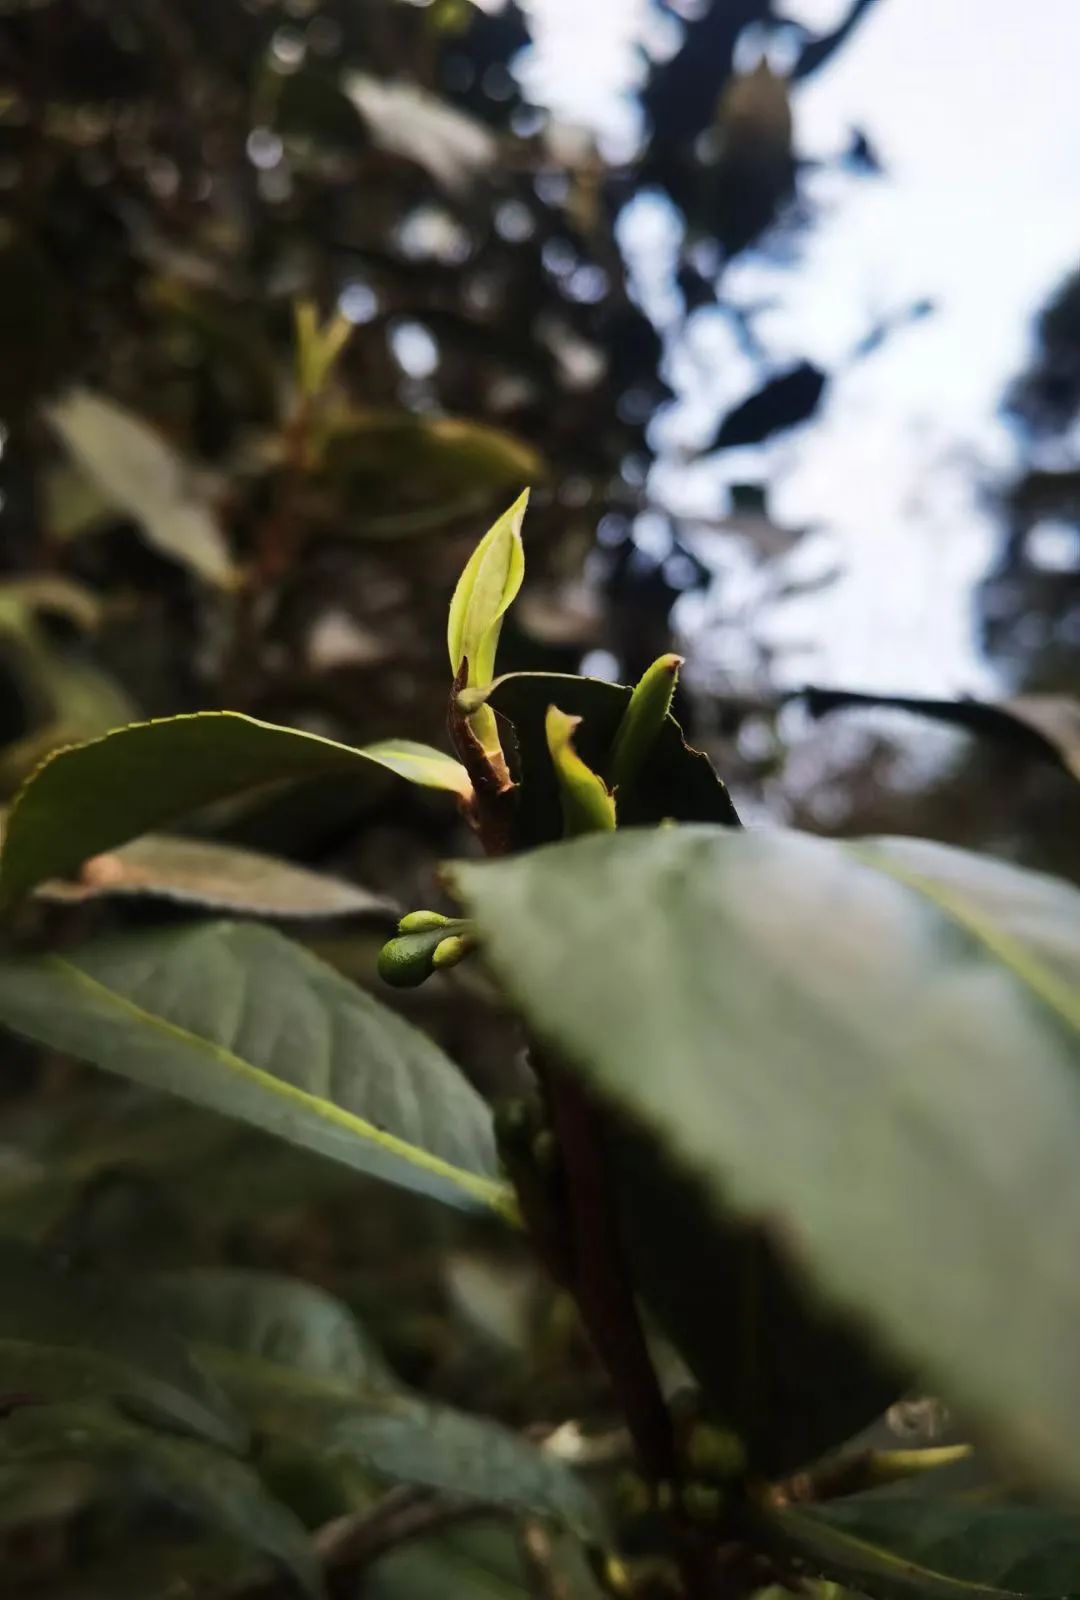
(798, 1137)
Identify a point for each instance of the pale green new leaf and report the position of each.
(241, 1020)
(870, 1048)
(88, 798)
(318, 345)
(485, 591)
(588, 805)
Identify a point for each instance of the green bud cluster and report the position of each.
(427, 942)
(714, 1454)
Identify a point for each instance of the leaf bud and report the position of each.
(425, 921)
(715, 1454)
(702, 1502)
(405, 962)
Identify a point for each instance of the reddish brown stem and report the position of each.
(491, 812)
(280, 534)
(591, 1257)
(601, 1282)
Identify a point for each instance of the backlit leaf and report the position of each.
(217, 877)
(870, 1048)
(87, 799)
(146, 479)
(241, 1020)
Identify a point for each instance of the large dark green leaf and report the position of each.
(283, 1353)
(66, 1337)
(216, 877)
(115, 1156)
(218, 1491)
(281, 1320)
(675, 781)
(483, 1561)
(153, 1569)
(869, 1048)
(239, 1019)
(904, 1546)
(94, 796)
(405, 1438)
(792, 1380)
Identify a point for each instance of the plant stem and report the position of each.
(864, 1469)
(491, 812)
(590, 1259)
(349, 1544)
(534, 1544)
(280, 534)
(601, 1283)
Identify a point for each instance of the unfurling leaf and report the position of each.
(587, 802)
(675, 780)
(643, 719)
(318, 346)
(485, 591)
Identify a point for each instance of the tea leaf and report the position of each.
(144, 477)
(643, 719)
(587, 803)
(222, 1493)
(675, 781)
(902, 1546)
(241, 1020)
(64, 1336)
(293, 1363)
(216, 877)
(90, 797)
(870, 1048)
(485, 591)
(272, 1318)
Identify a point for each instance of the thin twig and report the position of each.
(864, 1469)
(602, 1284)
(534, 1544)
(349, 1544)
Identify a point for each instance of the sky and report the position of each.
(894, 471)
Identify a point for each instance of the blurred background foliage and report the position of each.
(296, 295)
(605, 307)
